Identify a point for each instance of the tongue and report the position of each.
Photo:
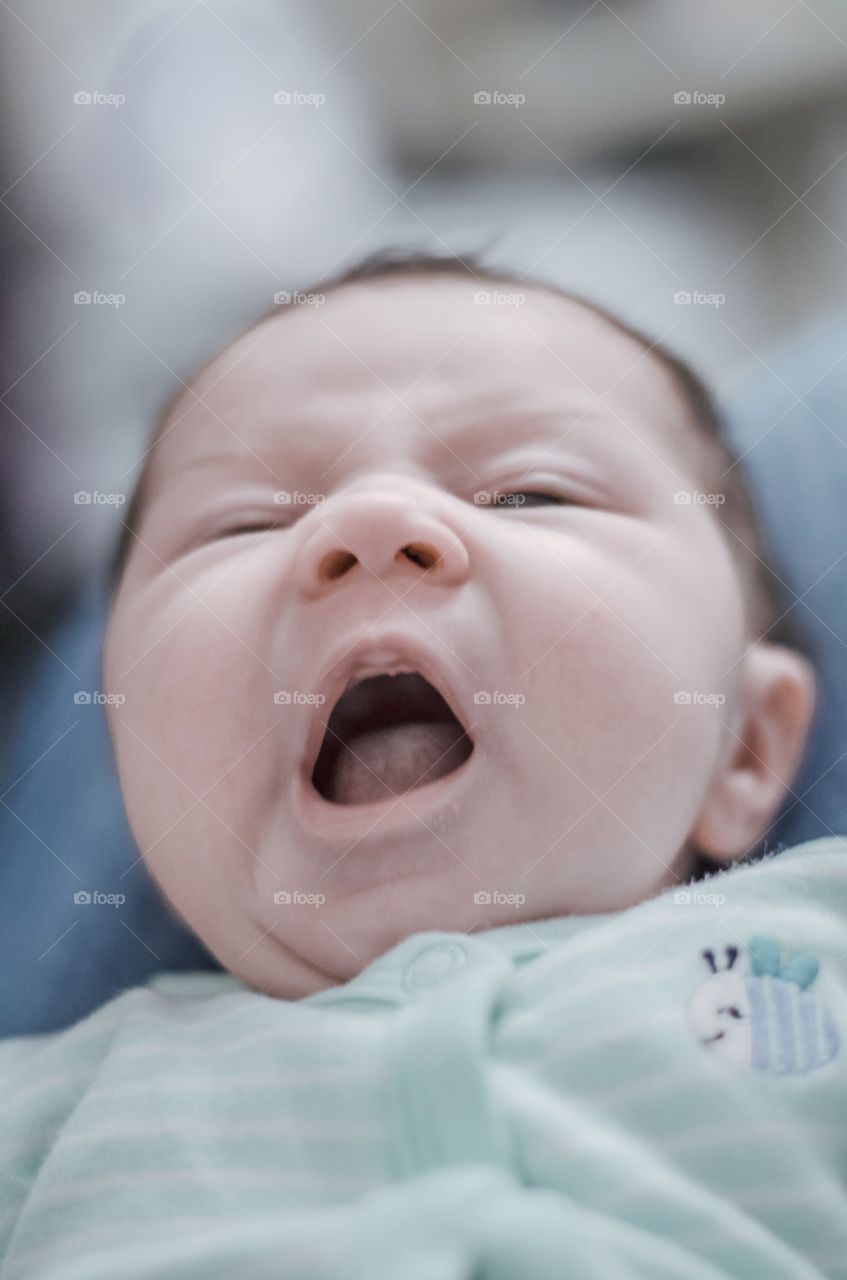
(385, 762)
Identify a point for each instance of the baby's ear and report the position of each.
(762, 750)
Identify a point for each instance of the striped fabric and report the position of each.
(659, 1093)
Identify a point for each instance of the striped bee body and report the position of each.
(757, 1011)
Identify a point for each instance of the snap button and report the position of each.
(433, 964)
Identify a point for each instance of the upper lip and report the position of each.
(371, 656)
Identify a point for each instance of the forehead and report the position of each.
(409, 357)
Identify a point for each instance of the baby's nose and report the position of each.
(385, 534)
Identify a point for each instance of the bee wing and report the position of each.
(764, 956)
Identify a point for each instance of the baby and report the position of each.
(448, 656)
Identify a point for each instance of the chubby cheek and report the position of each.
(622, 676)
(194, 736)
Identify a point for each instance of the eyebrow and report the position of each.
(550, 425)
(207, 461)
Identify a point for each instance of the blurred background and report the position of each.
(145, 159)
(166, 168)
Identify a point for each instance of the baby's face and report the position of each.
(558, 630)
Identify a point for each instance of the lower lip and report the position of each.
(352, 822)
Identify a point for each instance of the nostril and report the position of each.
(421, 554)
(335, 564)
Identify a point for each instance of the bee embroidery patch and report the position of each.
(757, 1010)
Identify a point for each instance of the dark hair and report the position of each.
(718, 468)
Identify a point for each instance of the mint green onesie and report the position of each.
(658, 1093)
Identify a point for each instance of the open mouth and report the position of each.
(387, 735)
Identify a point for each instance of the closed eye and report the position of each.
(732, 1010)
(535, 497)
(259, 526)
(519, 499)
